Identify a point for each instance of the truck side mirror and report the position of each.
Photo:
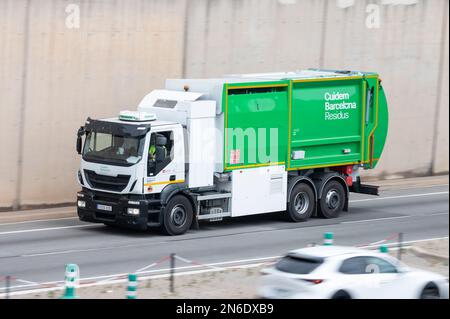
(80, 133)
(79, 144)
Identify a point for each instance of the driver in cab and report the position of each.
(156, 140)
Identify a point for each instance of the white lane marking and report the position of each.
(400, 196)
(63, 252)
(248, 265)
(29, 283)
(409, 187)
(375, 219)
(408, 242)
(86, 250)
(45, 229)
(36, 221)
(386, 218)
(438, 214)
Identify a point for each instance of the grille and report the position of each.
(110, 183)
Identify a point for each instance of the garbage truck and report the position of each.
(208, 149)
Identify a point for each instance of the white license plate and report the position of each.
(104, 207)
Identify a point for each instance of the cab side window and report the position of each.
(160, 152)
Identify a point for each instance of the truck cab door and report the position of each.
(165, 159)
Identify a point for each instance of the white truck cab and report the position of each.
(133, 164)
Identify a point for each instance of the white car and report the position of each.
(336, 272)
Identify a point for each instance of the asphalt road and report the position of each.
(37, 251)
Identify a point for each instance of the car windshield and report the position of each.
(112, 149)
(297, 265)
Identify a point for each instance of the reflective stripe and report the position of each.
(165, 182)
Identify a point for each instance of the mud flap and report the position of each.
(357, 187)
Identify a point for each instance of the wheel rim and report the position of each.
(301, 203)
(332, 199)
(178, 215)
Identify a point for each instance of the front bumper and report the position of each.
(117, 213)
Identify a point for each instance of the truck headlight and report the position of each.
(81, 204)
(133, 211)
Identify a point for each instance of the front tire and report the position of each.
(430, 292)
(332, 200)
(301, 203)
(177, 216)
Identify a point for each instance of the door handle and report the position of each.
(172, 177)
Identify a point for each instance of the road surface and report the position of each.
(37, 251)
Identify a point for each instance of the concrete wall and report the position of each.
(52, 77)
(57, 76)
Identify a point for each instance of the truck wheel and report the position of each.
(178, 215)
(332, 200)
(301, 203)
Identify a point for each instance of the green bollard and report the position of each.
(132, 286)
(71, 280)
(328, 239)
(384, 249)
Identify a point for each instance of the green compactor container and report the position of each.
(322, 121)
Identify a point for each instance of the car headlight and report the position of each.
(133, 211)
(81, 204)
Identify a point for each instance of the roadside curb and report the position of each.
(420, 252)
(408, 183)
(37, 215)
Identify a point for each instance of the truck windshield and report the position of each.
(112, 149)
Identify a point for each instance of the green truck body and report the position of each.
(326, 122)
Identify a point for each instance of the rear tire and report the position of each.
(430, 291)
(177, 216)
(301, 203)
(341, 294)
(332, 200)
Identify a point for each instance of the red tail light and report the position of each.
(348, 169)
(314, 281)
(349, 180)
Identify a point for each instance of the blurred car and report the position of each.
(336, 272)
